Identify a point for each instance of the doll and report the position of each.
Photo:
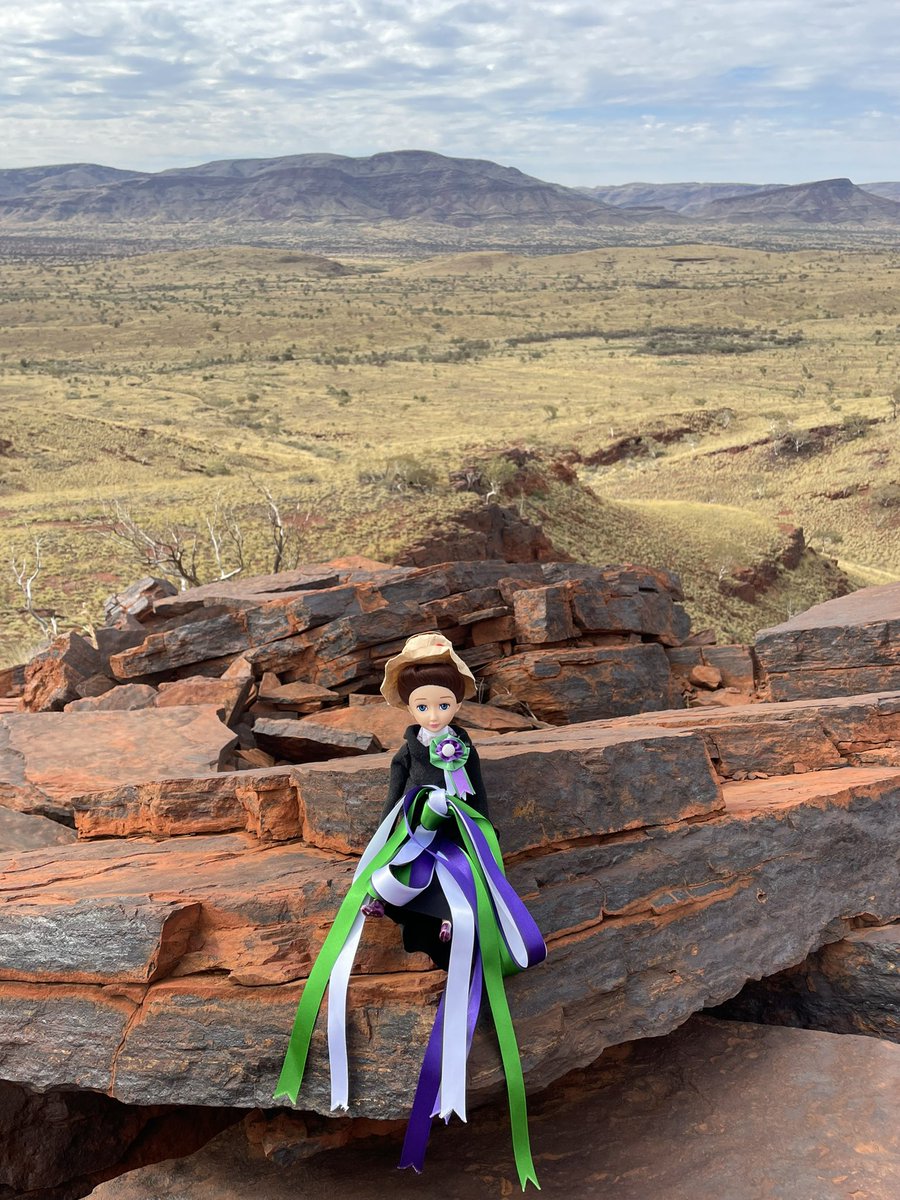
(433, 866)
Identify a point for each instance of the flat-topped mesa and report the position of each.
(840, 648)
(334, 628)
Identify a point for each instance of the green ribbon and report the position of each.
(311, 1000)
(497, 962)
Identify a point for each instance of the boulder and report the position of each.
(563, 685)
(843, 647)
(52, 676)
(822, 1106)
(135, 603)
(706, 677)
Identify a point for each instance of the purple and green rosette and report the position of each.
(450, 755)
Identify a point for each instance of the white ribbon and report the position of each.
(452, 1093)
(337, 1015)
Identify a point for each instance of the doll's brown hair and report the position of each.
(430, 674)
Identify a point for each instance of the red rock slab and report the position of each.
(117, 699)
(643, 927)
(582, 684)
(228, 696)
(232, 627)
(772, 738)
(847, 645)
(48, 758)
(312, 741)
(680, 1117)
(253, 587)
(389, 725)
(751, 796)
(298, 696)
(27, 831)
(557, 788)
(131, 912)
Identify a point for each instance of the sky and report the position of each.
(759, 91)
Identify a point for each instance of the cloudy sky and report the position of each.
(577, 91)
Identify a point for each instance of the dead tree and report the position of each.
(25, 576)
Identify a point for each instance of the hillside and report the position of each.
(828, 201)
(754, 387)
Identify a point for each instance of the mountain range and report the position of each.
(410, 186)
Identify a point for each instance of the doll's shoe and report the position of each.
(372, 908)
(446, 931)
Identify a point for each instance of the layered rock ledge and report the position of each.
(156, 953)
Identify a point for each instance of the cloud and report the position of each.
(770, 89)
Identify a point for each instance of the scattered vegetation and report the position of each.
(361, 392)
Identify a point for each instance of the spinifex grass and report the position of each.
(175, 381)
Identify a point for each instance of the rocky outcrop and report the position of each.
(658, 893)
(669, 855)
(490, 531)
(840, 648)
(297, 643)
(823, 1107)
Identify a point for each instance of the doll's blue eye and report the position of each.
(444, 707)
(421, 707)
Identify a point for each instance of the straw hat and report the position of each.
(423, 648)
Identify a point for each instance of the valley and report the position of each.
(678, 405)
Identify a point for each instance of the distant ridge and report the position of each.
(42, 181)
(828, 201)
(890, 191)
(401, 186)
(411, 187)
(684, 198)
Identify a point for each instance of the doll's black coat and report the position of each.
(411, 767)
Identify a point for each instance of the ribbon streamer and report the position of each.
(439, 837)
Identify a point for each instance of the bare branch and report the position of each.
(173, 552)
(230, 534)
(46, 618)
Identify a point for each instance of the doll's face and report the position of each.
(432, 707)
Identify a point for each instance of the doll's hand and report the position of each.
(372, 908)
